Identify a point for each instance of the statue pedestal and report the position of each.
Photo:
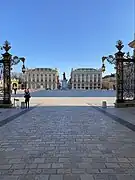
(64, 84)
(125, 104)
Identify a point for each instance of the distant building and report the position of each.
(109, 82)
(132, 44)
(42, 78)
(86, 78)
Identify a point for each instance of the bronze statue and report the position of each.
(64, 76)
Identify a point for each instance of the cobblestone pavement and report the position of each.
(66, 143)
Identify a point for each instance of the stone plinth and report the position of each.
(125, 104)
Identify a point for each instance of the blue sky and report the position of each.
(66, 33)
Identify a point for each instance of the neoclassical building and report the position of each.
(44, 78)
(109, 82)
(86, 78)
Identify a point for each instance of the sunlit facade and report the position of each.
(86, 78)
(41, 78)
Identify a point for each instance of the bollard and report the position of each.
(22, 105)
(104, 104)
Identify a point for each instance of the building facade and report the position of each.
(41, 78)
(86, 78)
(109, 82)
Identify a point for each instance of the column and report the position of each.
(47, 80)
(88, 81)
(97, 81)
(92, 81)
(51, 81)
(76, 81)
(72, 81)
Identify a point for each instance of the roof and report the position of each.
(43, 69)
(108, 76)
(86, 69)
(132, 44)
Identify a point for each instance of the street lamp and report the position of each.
(7, 61)
(125, 75)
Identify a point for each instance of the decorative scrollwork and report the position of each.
(128, 81)
(6, 62)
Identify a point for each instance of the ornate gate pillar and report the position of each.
(6, 78)
(125, 76)
(119, 56)
(7, 62)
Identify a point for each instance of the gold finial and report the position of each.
(119, 45)
(6, 46)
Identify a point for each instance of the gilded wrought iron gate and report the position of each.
(1, 83)
(125, 76)
(128, 80)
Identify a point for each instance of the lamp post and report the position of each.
(125, 76)
(7, 62)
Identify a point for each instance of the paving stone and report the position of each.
(70, 142)
(18, 166)
(98, 165)
(46, 171)
(6, 172)
(112, 165)
(126, 165)
(72, 177)
(20, 171)
(27, 177)
(86, 177)
(56, 177)
(31, 166)
(123, 160)
(124, 177)
(15, 161)
(44, 166)
(4, 166)
(63, 171)
(78, 171)
(42, 177)
(57, 165)
(39, 160)
(9, 177)
(107, 171)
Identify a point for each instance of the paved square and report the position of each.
(66, 143)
